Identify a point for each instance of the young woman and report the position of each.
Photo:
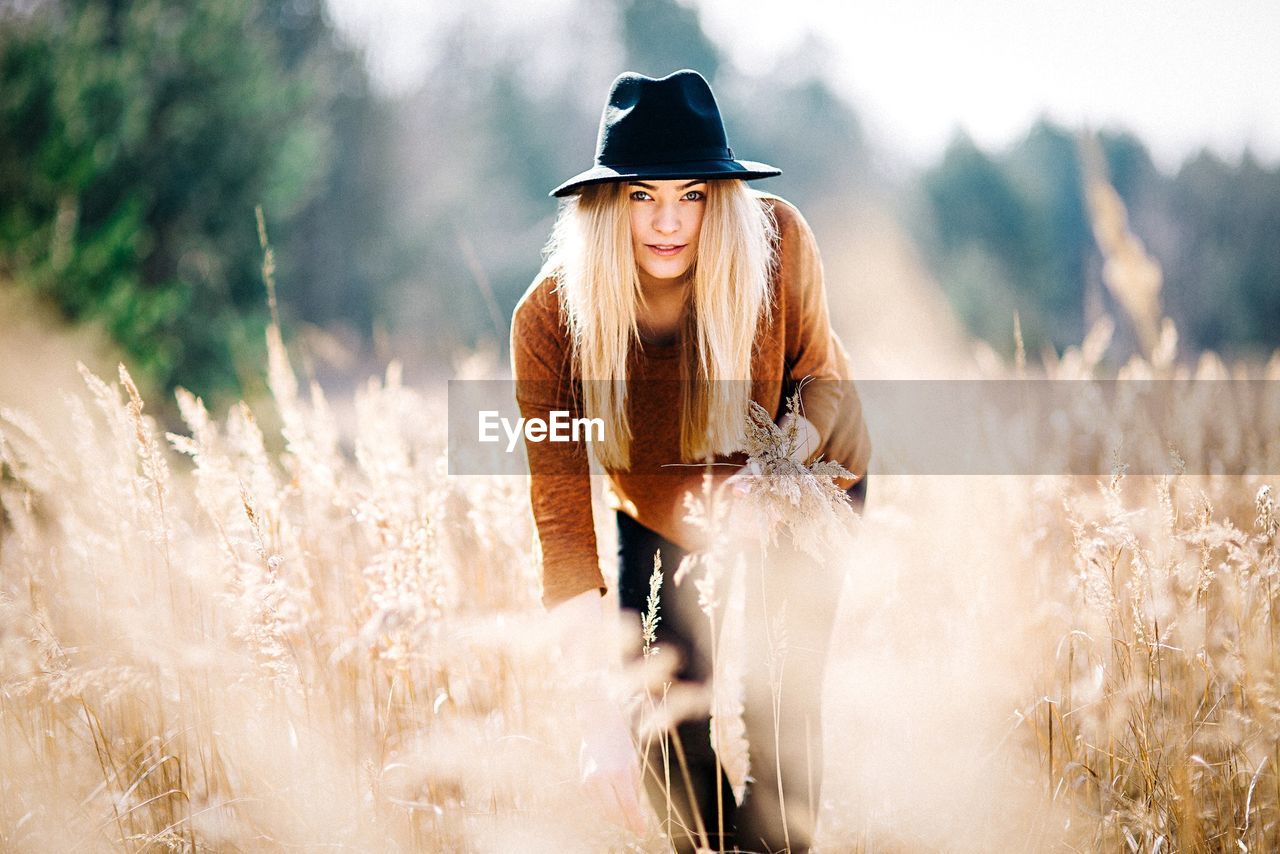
(672, 293)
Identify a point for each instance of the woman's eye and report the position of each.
(692, 195)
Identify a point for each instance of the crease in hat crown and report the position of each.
(665, 127)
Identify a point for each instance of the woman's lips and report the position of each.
(675, 250)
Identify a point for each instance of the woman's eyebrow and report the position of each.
(652, 187)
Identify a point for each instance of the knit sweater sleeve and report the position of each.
(810, 350)
(559, 473)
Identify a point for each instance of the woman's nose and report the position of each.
(667, 219)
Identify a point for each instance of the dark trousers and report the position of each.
(789, 717)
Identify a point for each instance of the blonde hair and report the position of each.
(591, 255)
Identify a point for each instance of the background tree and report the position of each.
(1008, 231)
(137, 136)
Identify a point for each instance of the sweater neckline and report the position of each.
(661, 351)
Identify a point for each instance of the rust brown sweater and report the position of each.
(797, 343)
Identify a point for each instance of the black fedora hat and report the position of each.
(660, 128)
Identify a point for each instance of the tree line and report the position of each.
(137, 137)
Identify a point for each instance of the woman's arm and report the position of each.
(560, 494)
(810, 351)
(560, 480)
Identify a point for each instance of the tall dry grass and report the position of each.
(1157, 718)
(209, 645)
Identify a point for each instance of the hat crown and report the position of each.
(663, 128)
(668, 119)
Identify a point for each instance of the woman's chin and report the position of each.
(666, 272)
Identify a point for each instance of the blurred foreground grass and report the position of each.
(208, 646)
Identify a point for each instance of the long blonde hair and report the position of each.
(591, 255)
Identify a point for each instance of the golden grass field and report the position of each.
(236, 640)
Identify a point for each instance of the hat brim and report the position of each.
(745, 170)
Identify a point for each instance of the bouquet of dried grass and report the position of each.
(787, 495)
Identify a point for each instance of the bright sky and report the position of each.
(1179, 73)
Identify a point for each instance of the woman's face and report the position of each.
(666, 218)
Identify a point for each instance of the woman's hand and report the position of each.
(742, 481)
(806, 435)
(607, 757)
(609, 768)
